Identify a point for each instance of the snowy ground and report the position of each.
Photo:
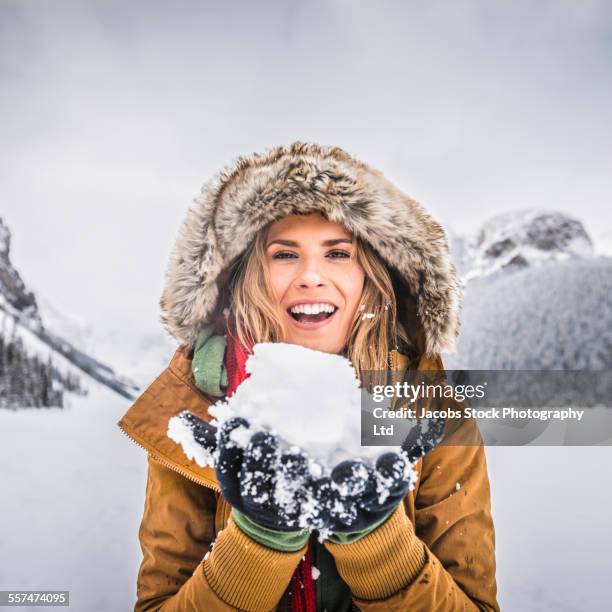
(73, 492)
(72, 498)
(551, 507)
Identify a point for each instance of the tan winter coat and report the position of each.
(184, 512)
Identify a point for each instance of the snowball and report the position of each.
(311, 401)
(307, 398)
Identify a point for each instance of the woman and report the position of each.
(300, 225)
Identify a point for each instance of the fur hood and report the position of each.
(302, 178)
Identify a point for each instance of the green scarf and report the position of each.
(208, 363)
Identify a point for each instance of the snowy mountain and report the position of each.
(14, 296)
(140, 354)
(556, 316)
(520, 239)
(29, 342)
(536, 296)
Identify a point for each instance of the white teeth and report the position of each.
(312, 308)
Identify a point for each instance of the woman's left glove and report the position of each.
(357, 496)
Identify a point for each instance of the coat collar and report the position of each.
(174, 390)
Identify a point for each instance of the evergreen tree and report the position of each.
(28, 381)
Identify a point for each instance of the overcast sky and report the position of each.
(114, 113)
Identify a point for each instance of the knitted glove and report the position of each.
(251, 478)
(255, 478)
(356, 496)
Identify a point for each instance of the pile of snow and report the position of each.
(307, 398)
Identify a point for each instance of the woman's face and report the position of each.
(315, 280)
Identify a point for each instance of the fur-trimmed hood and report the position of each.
(303, 178)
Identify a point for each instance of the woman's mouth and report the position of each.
(312, 316)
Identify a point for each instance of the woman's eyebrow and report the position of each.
(292, 243)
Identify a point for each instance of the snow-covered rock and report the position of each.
(521, 239)
(15, 297)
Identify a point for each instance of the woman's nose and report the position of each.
(310, 275)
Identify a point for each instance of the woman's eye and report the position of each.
(283, 255)
(339, 254)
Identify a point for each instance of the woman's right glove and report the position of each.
(258, 480)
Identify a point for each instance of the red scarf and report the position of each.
(303, 594)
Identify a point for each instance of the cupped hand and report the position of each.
(358, 495)
(257, 478)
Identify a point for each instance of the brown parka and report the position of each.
(184, 512)
(437, 551)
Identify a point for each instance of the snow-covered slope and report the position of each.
(554, 316)
(70, 328)
(20, 315)
(138, 355)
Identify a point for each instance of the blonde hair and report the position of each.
(370, 338)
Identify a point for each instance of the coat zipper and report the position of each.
(169, 465)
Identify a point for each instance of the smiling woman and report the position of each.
(306, 245)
